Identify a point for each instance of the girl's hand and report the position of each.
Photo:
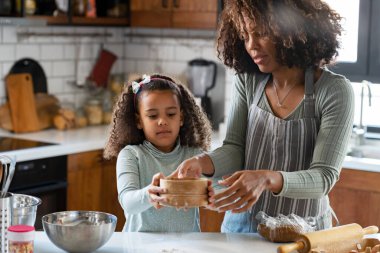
(155, 190)
(244, 189)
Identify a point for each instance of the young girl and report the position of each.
(156, 126)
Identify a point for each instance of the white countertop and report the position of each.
(172, 243)
(94, 138)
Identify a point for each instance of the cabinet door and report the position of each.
(356, 197)
(92, 185)
(211, 221)
(195, 14)
(151, 13)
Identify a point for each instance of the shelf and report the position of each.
(51, 20)
(102, 21)
(81, 21)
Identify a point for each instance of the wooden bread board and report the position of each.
(22, 103)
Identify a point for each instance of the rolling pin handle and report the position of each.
(290, 247)
(370, 230)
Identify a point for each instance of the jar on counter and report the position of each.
(94, 112)
(21, 239)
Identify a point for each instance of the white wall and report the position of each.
(58, 56)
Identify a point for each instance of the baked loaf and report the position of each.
(283, 228)
(282, 233)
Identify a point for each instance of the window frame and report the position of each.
(359, 70)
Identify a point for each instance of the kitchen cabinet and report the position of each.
(197, 14)
(356, 197)
(211, 221)
(92, 185)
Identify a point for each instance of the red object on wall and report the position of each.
(100, 72)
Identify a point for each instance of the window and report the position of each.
(359, 58)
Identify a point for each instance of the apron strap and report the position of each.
(260, 90)
(309, 100)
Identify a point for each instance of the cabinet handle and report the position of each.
(164, 3)
(176, 3)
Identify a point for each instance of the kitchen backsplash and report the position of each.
(67, 55)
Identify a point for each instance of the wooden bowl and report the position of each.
(189, 201)
(185, 186)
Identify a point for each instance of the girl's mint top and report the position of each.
(136, 165)
(334, 107)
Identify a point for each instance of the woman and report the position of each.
(290, 118)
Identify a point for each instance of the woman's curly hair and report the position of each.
(305, 32)
(196, 129)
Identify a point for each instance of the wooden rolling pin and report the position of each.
(336, 239)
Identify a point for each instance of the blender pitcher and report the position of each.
(202, 75)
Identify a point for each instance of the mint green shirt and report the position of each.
(136, 165)
(334, 99)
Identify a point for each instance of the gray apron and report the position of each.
(280, 145)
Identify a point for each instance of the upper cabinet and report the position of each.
(198, 14)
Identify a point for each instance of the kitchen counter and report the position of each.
(172, 243)
(94, 138)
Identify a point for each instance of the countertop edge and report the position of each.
(94, 138)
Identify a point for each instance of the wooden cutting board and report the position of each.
(22, 103)
(47, 107)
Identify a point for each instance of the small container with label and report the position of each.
(21, 239)
(94, 112)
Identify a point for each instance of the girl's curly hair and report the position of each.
(196, 129)
(304, 32)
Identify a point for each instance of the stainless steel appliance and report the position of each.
(43, 178)
(207, 82)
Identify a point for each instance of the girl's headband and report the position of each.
(136, 86)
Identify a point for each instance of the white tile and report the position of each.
(160, 52)
(9, 34)
(129, 66)
(81, 98)
(85, 51)
(51, 52)
(63, 68)
(7, 52)
(55, 85)
(47, 67)
(69, 52)
(174, 67)
(146, 66)
(2, 89)
(30, 51)
(136, 51)
(6, 67)
(209, 53)
(187, 53)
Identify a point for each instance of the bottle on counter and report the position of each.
(94, 112)
(20, 239)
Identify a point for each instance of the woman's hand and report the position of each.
(194, 167)
(244, 189)
(189, 168)
(155, 190)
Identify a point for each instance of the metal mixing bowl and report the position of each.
(79, 231)
(24, 209)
